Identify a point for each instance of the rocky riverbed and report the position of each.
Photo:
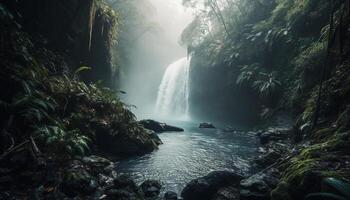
(96, 177)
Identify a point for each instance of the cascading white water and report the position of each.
(173, 93)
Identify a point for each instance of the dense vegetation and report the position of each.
(49, 116)
(281, 56)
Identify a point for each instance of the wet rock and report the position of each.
(170, 196)
(259, 186)
(206, 125)
(136, 142)
(155, 137)
(122, 194)
(124, 188)
(96, 161)
(98, 164)
(123, 181)
(206, 187)
(267, 159)
(227, 193)
(274, 134)
(78, 181)
(151, 188)
(159, 127)
(264, 138)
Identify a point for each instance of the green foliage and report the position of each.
(248, 74)
(265, 84)
(81, 69)
(34, 112)
(63, 142)
(310, 61)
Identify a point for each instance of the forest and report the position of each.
(175, 99)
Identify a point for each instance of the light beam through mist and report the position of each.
(152, 52)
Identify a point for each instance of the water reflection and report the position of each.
(192, 154)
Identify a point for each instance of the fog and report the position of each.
(152, 53)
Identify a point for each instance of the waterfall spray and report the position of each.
(173, 93)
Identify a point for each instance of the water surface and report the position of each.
(191, 154)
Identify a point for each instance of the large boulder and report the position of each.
(135, 141)
(124, 188)
(205, 188)
(159, 127)
(259, 186)
(151, 188)
(170, 195)
(227, 193)
(274, 134)
(78, 181)
(206, 125)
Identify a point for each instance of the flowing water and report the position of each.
(173, 91)
(191, 154)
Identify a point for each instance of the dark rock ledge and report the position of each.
(159, 127)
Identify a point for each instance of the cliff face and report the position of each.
(83, 32)
(214, 95)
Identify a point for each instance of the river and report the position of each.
(191, 154)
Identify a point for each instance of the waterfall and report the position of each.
(173, 93)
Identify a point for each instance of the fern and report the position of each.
(81, 69)
(63, 142)
(267, 85)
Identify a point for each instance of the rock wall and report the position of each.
(214, 95)
(83, 31)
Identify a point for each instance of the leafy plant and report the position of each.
(81, 69)
(247, 75)
(63, 142)
(266, 85)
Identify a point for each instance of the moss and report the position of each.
(297, 9)
(309, 108)
(298, 167)
(305, 171)
(312, 56)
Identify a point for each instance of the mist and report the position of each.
(152, 53)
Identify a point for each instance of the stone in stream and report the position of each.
(151, 188)
(138, 141)
(274, 134)
(206, 188)
(124, 188)
(206, 125)
(159, 127)
(170, 196)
